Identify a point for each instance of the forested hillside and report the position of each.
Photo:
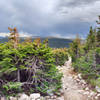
(53, 42)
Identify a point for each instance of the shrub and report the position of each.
(86, 66)
(60, 56)
(29, 64)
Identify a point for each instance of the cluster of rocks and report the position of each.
(34, 96)
(86, 90)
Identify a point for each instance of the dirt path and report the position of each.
(74, 87)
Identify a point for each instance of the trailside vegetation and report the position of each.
(27, 67)
(60, 55)
(87, 61)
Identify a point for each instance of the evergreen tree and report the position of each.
(75, 48)
(14, 37)
(90, 42)
(98, 33)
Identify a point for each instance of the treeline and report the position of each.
(29, 66)
(86, 56)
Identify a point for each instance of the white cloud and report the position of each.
(4, 34)
(21, 34)
(68, 36)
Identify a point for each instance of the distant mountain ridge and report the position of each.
(54, 42)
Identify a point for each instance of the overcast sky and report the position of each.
(61, 18)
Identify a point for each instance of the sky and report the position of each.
(59, 18)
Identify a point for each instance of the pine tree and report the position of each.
(75, 48)
(98, 33)
(14, 37)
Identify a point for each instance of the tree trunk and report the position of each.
(18, 75)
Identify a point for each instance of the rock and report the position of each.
(97, 88)
(65, 63)
(24, 97)
(79, 76)
(92, 93)
(80, 91)
(98, 95)
(60, 98)
(59, 66)
(86, 93)
(83, 81)
(78, 80)
(13, 98)
(75, 77)
(54, 96)
(47, 97)
(35, 96)
(86, 88)
(61, 91)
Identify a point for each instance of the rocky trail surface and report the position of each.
(74, 87)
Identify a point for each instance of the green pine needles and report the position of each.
(28, 68)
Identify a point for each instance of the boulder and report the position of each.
(13, 98)
(35, 96)
(24, 97)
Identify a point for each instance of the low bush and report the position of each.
(28, 68)
(88, 66)
(60, 55)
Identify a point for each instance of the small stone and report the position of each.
(80, 91)
(83, 81)
(98, 89)
(24, 97)
(92, 93)
(75, 77)
(61, 91)
(89, 96)
(54, 97)
(86, 88)
(35, 96)
(79, 76)
(13, 98)
(83, 85)
(98, 95)
(47, 97)
(77, 80)
(87, 92)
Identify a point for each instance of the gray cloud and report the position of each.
(49, 17)
(76, 3)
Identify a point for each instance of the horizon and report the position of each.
(22, 35)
